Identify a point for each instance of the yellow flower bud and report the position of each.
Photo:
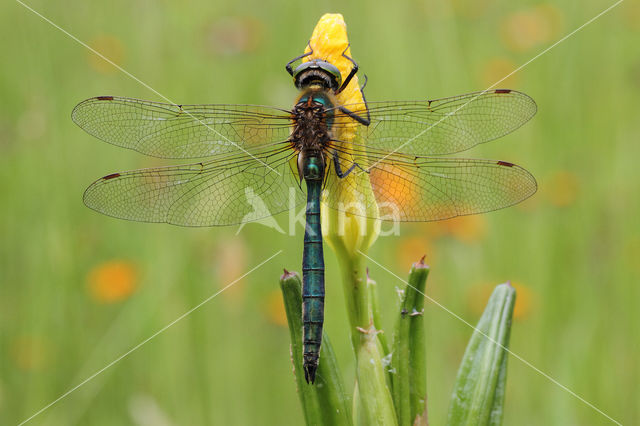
(345, 225)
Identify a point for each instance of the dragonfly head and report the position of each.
(317, 72)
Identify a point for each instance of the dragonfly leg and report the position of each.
(297, 58)
(339, 172)
(326, 175)
(295, 172)
(353, 71)
(361, 120)
(366, 80)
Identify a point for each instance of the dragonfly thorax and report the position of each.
(312, 117)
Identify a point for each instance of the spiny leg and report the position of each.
(359, 119)
(353, 71)
(296, 173)
(327, 172)
(297, 58)
(366, 80)
(338, 168)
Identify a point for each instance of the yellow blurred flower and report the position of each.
(112, 281)
(529, 28)
(496, 69)
(274, 309)
(478, 296)
(234, 35)
(111, 48)
(30, 353)
(562, 188)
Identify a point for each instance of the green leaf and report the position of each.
(325, 402)
(408, 362)
(376, 402)
(478, 395)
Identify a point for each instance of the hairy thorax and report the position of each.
(312, 121)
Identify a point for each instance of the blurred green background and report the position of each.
(78, 289)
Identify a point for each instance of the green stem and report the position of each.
(325, 402)
(375, 398)
(372, 286)
(356, 295)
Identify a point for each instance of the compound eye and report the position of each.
(331, 73)
(299, 70)
(335, 74)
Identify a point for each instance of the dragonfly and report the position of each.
(244, 152)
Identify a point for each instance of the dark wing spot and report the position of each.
(505, 163)
(111, 176)
(502, 91)
(104, 98)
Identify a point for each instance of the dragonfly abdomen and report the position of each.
(312, 268)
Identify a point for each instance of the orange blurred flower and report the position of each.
(525, 300)
(632, 253)
(528, 205)
(30, 352)
(562, 188)
(529, 28)
(112, 281)
(32, 124)
(231, 263)
(632, 17)
(467, 229)
(472, 9)
(395, 186)
(431, 230)
(111, 48)
(478, 296)
(496, 69)
(234, 35)
(274, 308)
(411, 249)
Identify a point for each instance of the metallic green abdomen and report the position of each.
(312, 269)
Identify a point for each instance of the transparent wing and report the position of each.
(441, 126)
(228, 190)
(420, 189)
(181, 131)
